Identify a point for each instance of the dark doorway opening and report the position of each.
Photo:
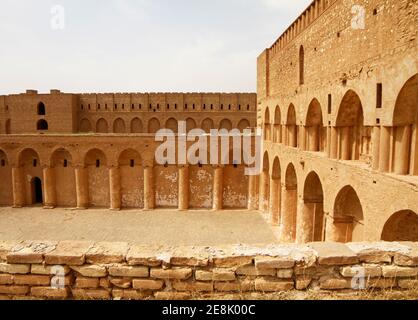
(37, 195)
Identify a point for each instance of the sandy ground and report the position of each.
(164, 227)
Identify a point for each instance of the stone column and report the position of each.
(218, 188)
(289, 211)
(376, 147)
(303, 131)
(284, 135)
(149, 193)
(264, 191)
(274, 207)
(313, 138)
(50, 196)
(183, 188)
(292, 135)
(115, 188)
(82, 187)
(18, 187)
(384, 149)
(252, 193)
(334, 143)
(328, 142)
(402, 150)
(345, 143)
(305, 222)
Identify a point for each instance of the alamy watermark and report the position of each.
(57, 17)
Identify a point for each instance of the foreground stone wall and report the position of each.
(123, 271)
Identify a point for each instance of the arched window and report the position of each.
(41, 109)
(301, 65)
(42, 125)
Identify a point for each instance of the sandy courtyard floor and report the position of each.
(163, 227)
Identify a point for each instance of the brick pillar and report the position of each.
(275, 190)
(18, 187)
(289, 211)
(402, 155)
(303, 131)
(384, 149)
(184, 188)
(328, 143)
(149, 193)
(115, 192)
(252, 193)
(345, 143)
(82, 187)
(218, 189)
(263, 202)
(50, 188)
(376, 147)
(334, 143)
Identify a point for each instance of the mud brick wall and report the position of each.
(122, 271)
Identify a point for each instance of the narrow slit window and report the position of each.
(3, 163)
(329, 104)
(132, 163)
(379, 92)
(97, 163)
(35, 163)
(65, 163)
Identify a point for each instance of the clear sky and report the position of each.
(138, 45)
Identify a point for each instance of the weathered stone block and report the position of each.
(268, 284)
(237, 286)
(284, 273)
(399, 272)
(14, 268)
(91, 294)
(129, 271)
(327, 283)
(172, 296)
(274, 263)
(143, 256)
(32, 280)
(381, 283)
(334, 253)
(71, 253)
(123, 283)
(107, 252)
(47, 270)
(147, 284)
(193, 286)
(408, 284)
(177, 274)
(92, 271)
(84, 283)
(223, 275)
(14, 290)
(49, 293)
(230, 262)
(30, 252)
(252, 271)
(372, 271)
(409, 259)
(303, 283)
(201, 275)
(121, 294)
(6, 279)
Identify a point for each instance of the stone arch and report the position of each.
(172, 125)
(405, 131)
(347, 224)
(136, 125)
(85, 126)
(277, 133)
(6, 195)
(354, 137)
(265, 184)
(315, 130)
(267, 125)
(98, 178)
(311, 225)
(243, 124)
(225, 124)
(31, 168)
(401, 226)
(101, 126)
(63, 169)
(131, 179)
(153, 125)
(291, 127)
(190, 124)
(42, 125)
(119, 126)
(289, 205)
(208, 125)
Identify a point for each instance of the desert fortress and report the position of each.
(337, 101)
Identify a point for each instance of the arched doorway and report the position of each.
(131, 179)
(37, 194)
(354, 137)
(98, 178)
(277, 134)
(401, 226)
(314, 127)
(405, 122)
(65, 185)
(267, 129)
(311, 211)
(346, 225)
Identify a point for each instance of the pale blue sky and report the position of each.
(138, 45)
